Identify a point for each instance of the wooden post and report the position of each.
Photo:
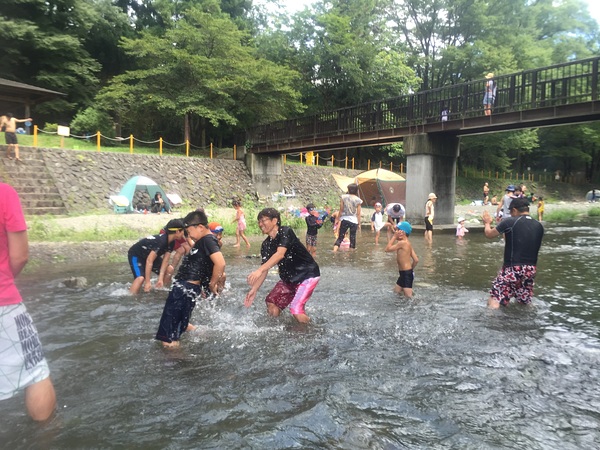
(352, 163)
(234, 152)
(368, 164)
(401, 167)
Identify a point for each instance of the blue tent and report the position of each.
(124, 201)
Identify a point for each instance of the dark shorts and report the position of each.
(10, 138)
(138, 266)
(311, 241)
(405, 280)
(178, 310)
(293, 295)
(514, 282)
(428, 225)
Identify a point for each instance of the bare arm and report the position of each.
(359, 216)
(18, 251)
(163, 269)
(148, 271)
(392, 245)
(256, 278)
(415, 258)
(339, 215)
(488, 230)
(218, 272)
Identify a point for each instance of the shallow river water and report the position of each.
(372, 370)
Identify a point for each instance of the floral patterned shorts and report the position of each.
(514, 282)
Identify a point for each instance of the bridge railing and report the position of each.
(560, 84)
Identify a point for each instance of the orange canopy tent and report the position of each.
(377, 185)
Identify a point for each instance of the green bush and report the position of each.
(594, 211)
(560, 215)
(91, 120)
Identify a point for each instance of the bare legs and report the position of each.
(40, 400)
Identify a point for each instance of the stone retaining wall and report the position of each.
(86, 179)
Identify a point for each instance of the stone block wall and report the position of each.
(87, 179)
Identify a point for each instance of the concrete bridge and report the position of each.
(555, 95)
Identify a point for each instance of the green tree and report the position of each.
(198, 73)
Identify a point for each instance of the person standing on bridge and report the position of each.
(490, 94)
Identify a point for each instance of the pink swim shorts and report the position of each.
(293, 295)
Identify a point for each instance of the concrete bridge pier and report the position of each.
(431, 167)
(266, 172)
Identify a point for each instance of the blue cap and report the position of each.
(405, 226)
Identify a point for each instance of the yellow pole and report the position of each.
(131, 144)
(35, 132)
(346, 162)
(234, 152)
(391, 167)
(187, 148)
(62, 141)
(300, 157)
(284, 159)
(380, 164)
(352, 163)
(332, 160)
(211, 150)
(317, 159)
(160, 146)
(368, 164)
(98, 140)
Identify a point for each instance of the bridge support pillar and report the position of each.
(431, 167)
(266, 172)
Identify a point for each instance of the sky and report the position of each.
(297, 5)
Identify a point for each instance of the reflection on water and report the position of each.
(373, 370)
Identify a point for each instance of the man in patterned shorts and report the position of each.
(523, 238)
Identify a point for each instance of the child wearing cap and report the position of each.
(313, 223)
(461, 229)
(405, 257)
(217, 230)
(152, 254)
(377, 222)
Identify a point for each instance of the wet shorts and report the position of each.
(514, 282)
(10, 138)
(428, 224)
(22, 361)
(294, 295)
(311, 241)
(405, 280)
(138, 266)
(178, 310)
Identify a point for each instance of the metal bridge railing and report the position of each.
(561, 84)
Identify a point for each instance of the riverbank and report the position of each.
(144, 224)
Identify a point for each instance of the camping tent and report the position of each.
(593, 195)
(377, 185)
(140, 183)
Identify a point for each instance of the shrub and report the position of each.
(91, 120)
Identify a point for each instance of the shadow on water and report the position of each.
(372, 370)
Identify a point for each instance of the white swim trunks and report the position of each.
(22, 361)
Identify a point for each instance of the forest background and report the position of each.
(205, 70)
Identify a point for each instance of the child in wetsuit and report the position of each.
(406, 258)
(313, 223)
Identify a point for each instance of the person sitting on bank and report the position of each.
(159, 204)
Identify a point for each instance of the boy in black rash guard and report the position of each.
(146, 256)
(298, 270)
(201, 273)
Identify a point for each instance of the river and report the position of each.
(372, 370)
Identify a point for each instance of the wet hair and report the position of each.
(520, 204)
(310, 207)
(271, 213)
(196, 218)
(353, 188)
(174, 225)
